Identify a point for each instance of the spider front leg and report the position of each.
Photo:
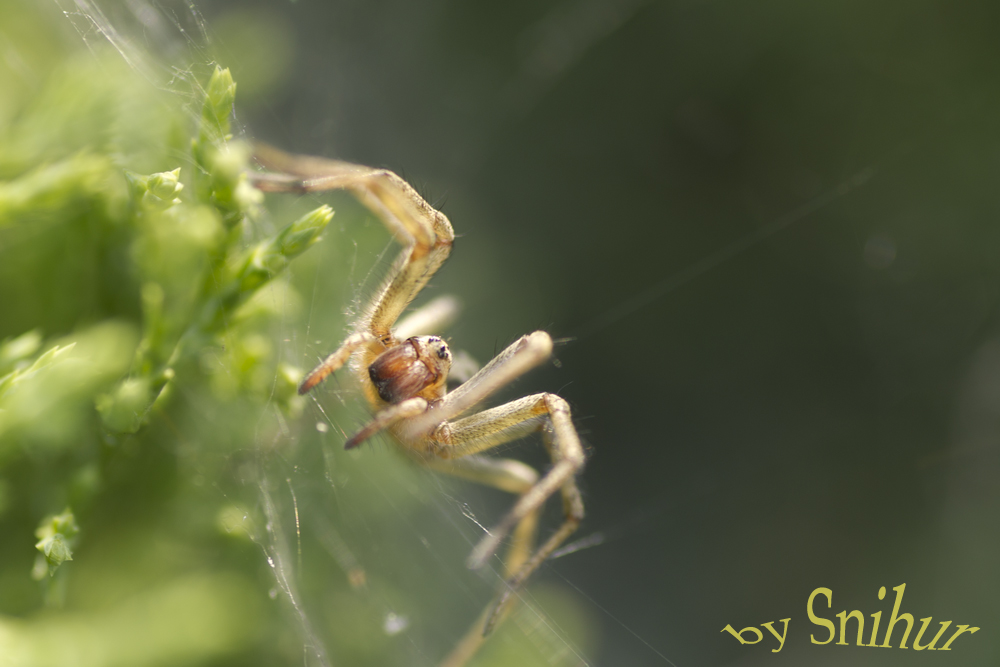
(425, 233)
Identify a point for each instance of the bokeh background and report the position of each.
(766, 236)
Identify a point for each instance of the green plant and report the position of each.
(130, 252)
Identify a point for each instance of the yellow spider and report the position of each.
(403, 372)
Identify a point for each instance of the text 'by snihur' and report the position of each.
(852, 626)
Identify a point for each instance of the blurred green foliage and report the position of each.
(125, 253)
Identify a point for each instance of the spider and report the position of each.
(403, 371)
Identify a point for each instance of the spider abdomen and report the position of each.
(416, 367)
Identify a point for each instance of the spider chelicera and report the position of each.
(403, 372)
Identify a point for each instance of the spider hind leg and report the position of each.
(489, 428)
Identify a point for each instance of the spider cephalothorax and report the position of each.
(403, 373)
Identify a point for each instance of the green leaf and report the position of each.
(56, 535)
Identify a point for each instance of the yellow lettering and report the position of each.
(925, 622)
(739, 635)
(843, 616)
(826, 592)
(960, 629)
(878, 617)
(896, 617)
(784, 633)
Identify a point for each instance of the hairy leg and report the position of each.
(335, 360)
(432, 318)
(492, 427)
(425, 233)
(507, 475)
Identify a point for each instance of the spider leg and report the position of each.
(507, 475)
(335, 360)
(573, 510)
(425, 233)
(386, 418)
(431, 318)
(492, 427)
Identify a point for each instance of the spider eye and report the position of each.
(442, 352)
